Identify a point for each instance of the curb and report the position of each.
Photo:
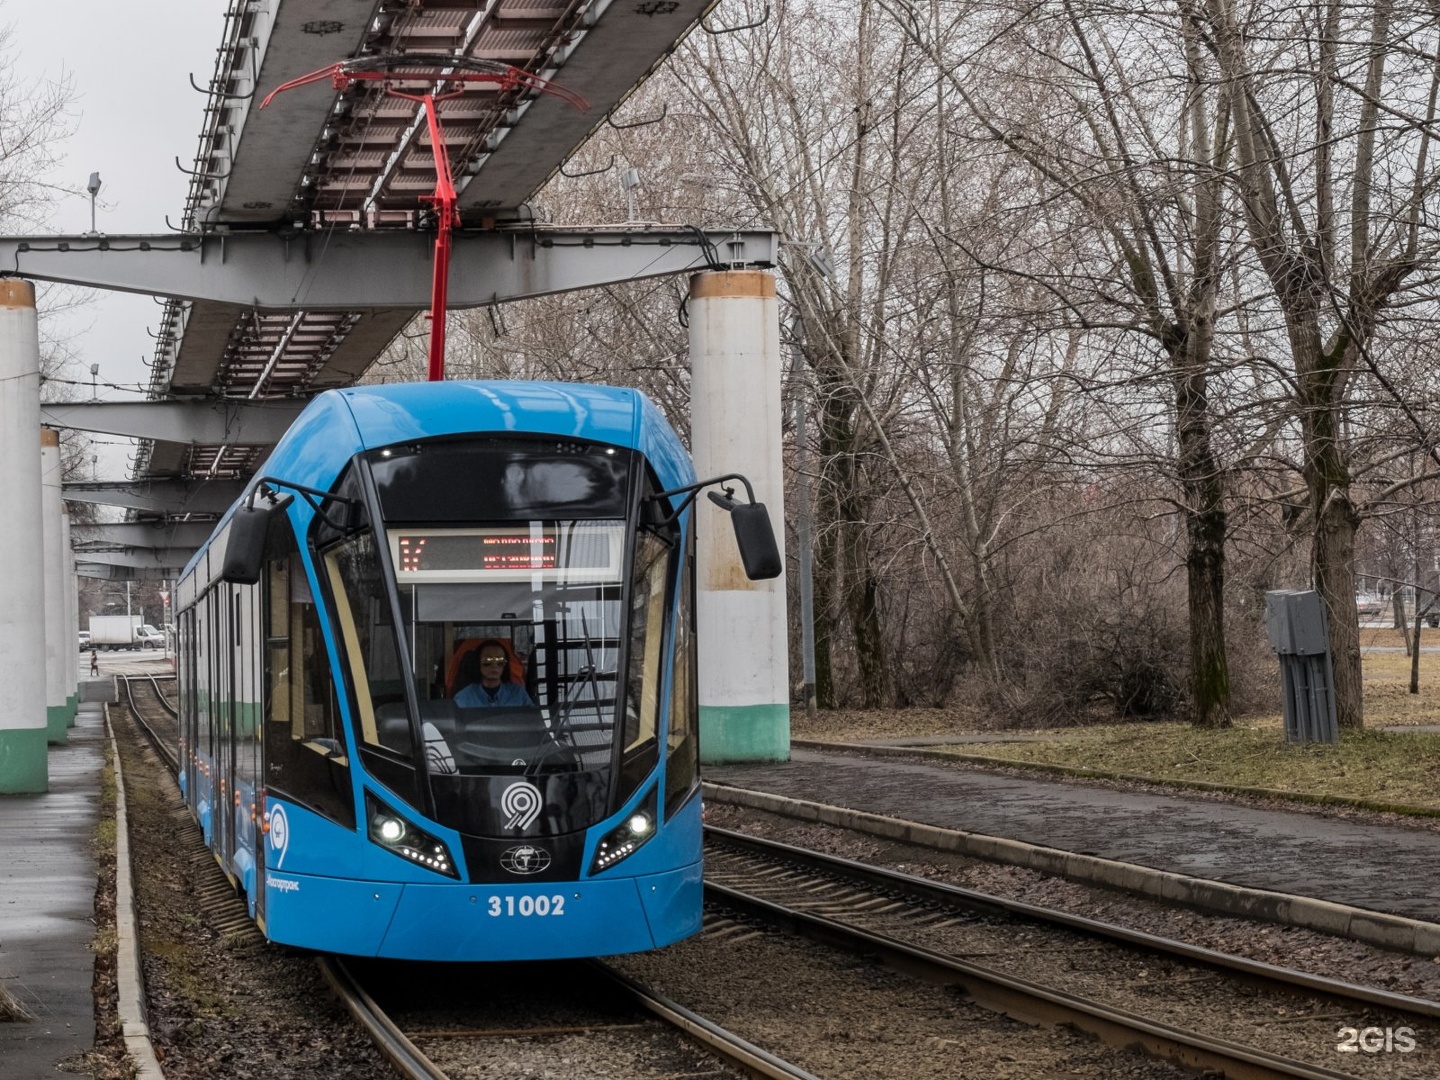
(1082, 773)
(128, 978)
(1396, 932)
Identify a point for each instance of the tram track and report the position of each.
(816, 896)
(226, 915)
(159, 718)
(468, 1029)
(1033, 957)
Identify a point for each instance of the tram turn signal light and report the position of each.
(396, 835)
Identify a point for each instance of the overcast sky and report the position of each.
(134, 113)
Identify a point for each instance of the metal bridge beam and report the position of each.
(174, 497)
(106, 572)
(345, 271)
(166, 562)
(205, 423)
(142, 534)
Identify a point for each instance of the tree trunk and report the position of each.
(824, 574)
(1205, 578)
(1332, 562)
(845, 502)
(1397, 609)
(1415, 653)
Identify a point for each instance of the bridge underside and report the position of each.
(307, 230)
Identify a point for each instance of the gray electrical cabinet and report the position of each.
(1296, 624)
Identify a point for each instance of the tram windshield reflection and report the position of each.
(546, 594)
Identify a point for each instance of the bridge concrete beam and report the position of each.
(141, 534)
(205, 423)
(105, 572)
(174, 497)
(166, 562)
(345, 271)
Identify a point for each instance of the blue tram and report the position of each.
(437, 675)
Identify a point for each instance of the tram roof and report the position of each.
(339, 424)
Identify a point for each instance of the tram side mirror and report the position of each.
(245, 547)
(759, 553)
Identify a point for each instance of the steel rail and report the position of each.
(729, 1047)
(1031, 1002)
(160, 696)
(1024, 999)
(972, 900)
(412, 1063)
(407, 1058)
(170, 757)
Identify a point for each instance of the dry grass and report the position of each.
(11, 1011)
(1395, 768)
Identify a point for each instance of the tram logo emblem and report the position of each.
(521, 802)
(525, 859)
(279, 833)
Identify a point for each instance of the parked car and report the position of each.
(1371, 607)
(84, 640)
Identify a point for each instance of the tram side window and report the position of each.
(367, 632)
(682, 767)
(203, 697)
(644, 665)
(304, 748)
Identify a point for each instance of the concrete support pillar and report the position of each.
(735, 421)
(59, 661)
(72, 617)
(23, 764)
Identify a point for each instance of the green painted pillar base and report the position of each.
(730, 734)
(57, 721)
(24, 766)
(72, 709)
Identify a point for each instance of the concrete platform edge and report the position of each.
(1372, 927)
(128, 976)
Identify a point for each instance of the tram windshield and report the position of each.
(512, 629)
(514, 639)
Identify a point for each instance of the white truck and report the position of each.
(123, 632)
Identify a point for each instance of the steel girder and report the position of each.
(107, 572)
(166, 562)
(347, 271)
(141, 534)
(214, 422)
(174, 497)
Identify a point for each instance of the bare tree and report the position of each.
(34, 120)
(1154, 208)
(1334, 116)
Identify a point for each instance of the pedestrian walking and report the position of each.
(94, 660)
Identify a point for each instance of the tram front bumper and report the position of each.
(470, 922)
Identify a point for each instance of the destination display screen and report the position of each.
(586, 551)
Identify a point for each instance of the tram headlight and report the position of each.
(627, 838)
(389, 829)
(413, 844)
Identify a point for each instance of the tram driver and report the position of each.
(494, 686)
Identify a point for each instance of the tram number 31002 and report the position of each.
(526, 906)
